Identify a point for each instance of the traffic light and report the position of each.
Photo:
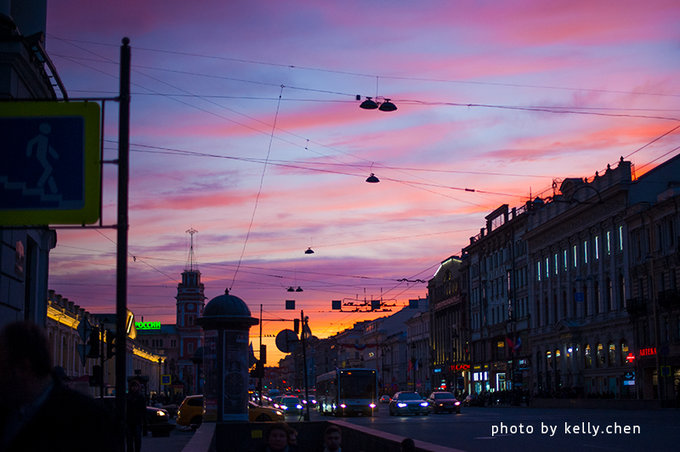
(263, 354)
(296, 325)
(93, 343)
(110, 345)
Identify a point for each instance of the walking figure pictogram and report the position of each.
(42, 148)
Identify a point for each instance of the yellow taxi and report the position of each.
(191, 412)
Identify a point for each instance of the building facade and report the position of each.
(26, 72)
(580, 326)
(449, 328)
(495, 267)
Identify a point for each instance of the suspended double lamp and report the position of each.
(370, 104)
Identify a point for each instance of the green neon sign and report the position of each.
(148, 325)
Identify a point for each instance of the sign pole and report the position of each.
(122, 226)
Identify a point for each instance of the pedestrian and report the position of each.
(292, 437)
(408, 445)
(332, 438)
(277, 439)
(39, 412)
(135, 416)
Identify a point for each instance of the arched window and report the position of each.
(601, 358)
(588, 357)
(612, 354)
(624, 352)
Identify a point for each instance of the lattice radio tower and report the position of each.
(191, 259)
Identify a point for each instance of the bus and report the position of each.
(343, 392)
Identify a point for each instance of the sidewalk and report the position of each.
(178, 438)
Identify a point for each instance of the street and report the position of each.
(507, 429)
(515, 428)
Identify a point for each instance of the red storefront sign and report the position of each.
(648, 351)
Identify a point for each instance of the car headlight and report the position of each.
(283, 407)
(401, 405)
(161, 413)
(342, 405)
(372, 405)
(423, 403)
(299, 407)
(457, 403)
(280, 413)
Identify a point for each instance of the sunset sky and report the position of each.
(245, 127)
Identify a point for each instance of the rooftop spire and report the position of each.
(191, 259)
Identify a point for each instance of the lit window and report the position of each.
(574, 256)
(620, 238)
(547, 268)
(564, 256)
(597, 247)
(585, 251)
(609, 242)
(557, 264)
(538, 269)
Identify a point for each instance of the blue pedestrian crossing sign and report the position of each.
(165, 379)
(51, 169)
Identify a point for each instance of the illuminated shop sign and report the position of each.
(648, 351)
(148, 325)
(458, 367)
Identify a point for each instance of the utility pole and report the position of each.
(122, 228)
(259, 380)
(303, 333)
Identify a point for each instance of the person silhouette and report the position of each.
(42, 149)
(39, 412)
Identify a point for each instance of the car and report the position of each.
(191, 411)
(291, 405)
(385, 399)
(408, 402)
(276, 400)
(441, 401)
(258, 413)
(157, 422)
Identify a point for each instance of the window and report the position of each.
(596, 247)
(538, 269)
(621, 238)
(564, 258)
(600, 355)
(624, 352)
(557, 263)
(585, 251)
(547, 267)
(574, 256)
(588, 357)
(609, 243)
(612, 354)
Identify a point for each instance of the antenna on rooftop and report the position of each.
(191, 258)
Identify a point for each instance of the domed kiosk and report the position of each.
(226, 321)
